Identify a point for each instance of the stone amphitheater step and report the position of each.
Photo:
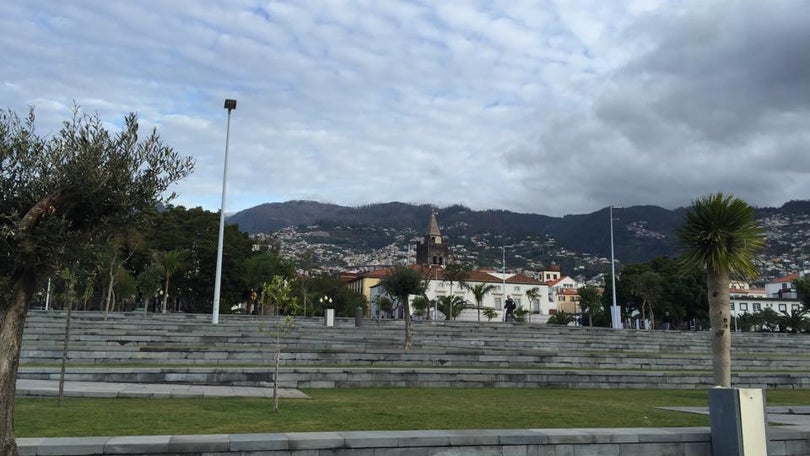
(167, 341)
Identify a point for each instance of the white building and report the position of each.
(518, 286)
(778, 295)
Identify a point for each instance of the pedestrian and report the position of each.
(510, 309)
(667, 321)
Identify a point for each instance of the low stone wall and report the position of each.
(364, 377)
(501, 442)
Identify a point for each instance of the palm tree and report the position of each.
(456, 272)
(401, 283)
(533, 295)
(453, 306)
(561, 318)
(720, 235)
(795, 320)
(589, 301)
(479, 291)
(169, 262)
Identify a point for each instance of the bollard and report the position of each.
(329, 317)
(358, 317)
(739, 425)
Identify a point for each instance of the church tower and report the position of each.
(431, 250)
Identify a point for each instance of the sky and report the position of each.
(551, 107)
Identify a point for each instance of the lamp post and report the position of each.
(328, 312)
(503, 277)
(230, 105)
(615, 311)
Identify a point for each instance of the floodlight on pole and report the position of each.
(230, 105)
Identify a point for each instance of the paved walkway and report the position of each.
(784, 415)
(27, 387)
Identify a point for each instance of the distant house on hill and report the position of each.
(779, 295)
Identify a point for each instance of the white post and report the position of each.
(503, 270)
(229, 105)
(48, 294)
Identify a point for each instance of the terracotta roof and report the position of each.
(552, 283)
(435, 272)
(524, 279)
(348, 276)
(786, 279)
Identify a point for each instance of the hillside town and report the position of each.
(540, 291)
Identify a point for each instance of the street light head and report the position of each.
(230, 104)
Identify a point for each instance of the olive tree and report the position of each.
(72, 189)
(400, 283)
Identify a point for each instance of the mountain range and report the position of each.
(641, 233)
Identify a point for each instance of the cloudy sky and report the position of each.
(545, 106)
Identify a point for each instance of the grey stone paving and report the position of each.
(26, 387)
(783, 415)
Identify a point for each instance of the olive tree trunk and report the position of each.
(408, 330)
(720, 317)
(12, 323)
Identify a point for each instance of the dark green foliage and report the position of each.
(668, 290)
(344, 301)
(63, 198)
(421, 307)
(451, 306)
(794, 321)
(561, 318)
(400, 283)
(489, 313)
(803, 290)
(719, 233)
(590, 304)
(194, 232)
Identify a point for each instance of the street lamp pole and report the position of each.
(230, 105)
(615, 312)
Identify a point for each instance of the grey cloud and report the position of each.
(714, 103)
(540, 106)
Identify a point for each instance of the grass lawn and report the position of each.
(371, 409)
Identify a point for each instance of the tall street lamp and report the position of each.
(615, 311)
(230, 105)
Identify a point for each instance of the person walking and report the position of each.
(510, 309)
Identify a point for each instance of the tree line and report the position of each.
(167, 265)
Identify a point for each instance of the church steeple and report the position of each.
(433, 228)
(431, 250)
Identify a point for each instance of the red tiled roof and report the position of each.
(786, 279)
(524, 280)
(552, 283)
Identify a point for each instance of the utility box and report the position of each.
(329, 317)
(739, 426)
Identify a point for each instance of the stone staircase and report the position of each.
(187, 348)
